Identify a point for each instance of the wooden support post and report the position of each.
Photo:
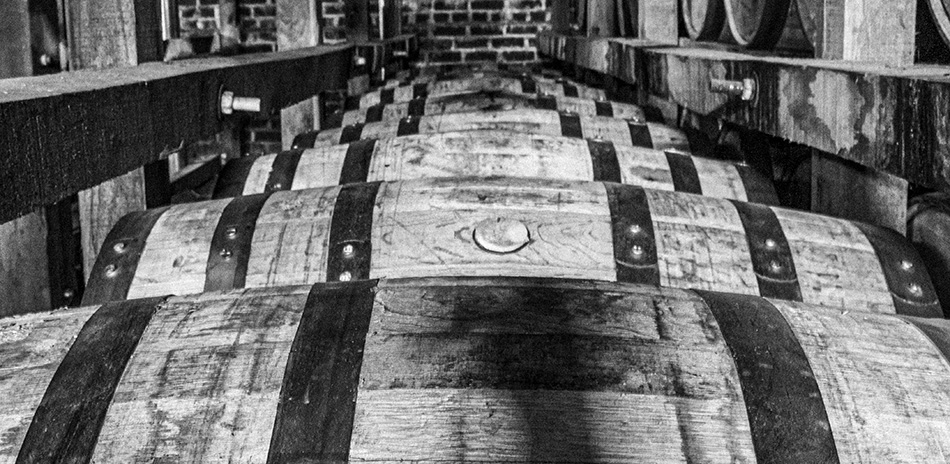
(848, 190)
(356, 20)
(15, 40)
(297, 27)
(658, 21)
(881, 31)
(601, 18)
(103, 36)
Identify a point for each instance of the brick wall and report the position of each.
(459, 32)
(257, 23)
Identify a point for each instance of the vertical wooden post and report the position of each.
(111, 33)
(24, 268)
(658, 21)
(848, 190)
(601, 18)
(297, 27)
(881, 31)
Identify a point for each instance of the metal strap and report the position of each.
(231, 243)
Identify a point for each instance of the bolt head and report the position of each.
(112, 270)
(226, 253)
(348, 250)
(907, 265)
(775, 266)
(119, 247)
(346, 276)
(637, 251)
(231, 232)
(915, 290)
(634, 229)
(770, 243)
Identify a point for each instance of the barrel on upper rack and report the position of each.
(525, 85)
(483, 101)
(511, 227)
(939, 15)
(767, 24)
(928, 228)
(527, 121)
(704, 19)
(473, 370)
(489, 154)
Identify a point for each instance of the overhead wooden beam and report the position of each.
(67, 132)
(896, 120)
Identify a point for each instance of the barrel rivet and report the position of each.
(775, 266)
(68, 294)
(636, 251)
(634, 229)
(906, 265)
(231, 232)
(346, 276)
(277, 186)
(112, 270)
(119, 247)
(225, 253)
(770, 243)
(348, 250)
(915, 290)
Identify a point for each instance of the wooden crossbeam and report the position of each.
(896, 120)
(66, 132)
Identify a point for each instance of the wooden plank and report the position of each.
(895, 120)
(658, 20)
(848, 190)
(297, 27)
(601, 18)
(15, 44)
(65, 133)
(100, 207)
(880, 31)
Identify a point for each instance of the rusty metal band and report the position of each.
(604, 108)
(634, 241)
(333, 120)
(416, 107)
(603, 157)
(683, 172)
(569, 90)
(69, 418)
(769, 251)
(283, 171)
(305, 140)
(757, 187)
(356, 163)
(374, 113)
(350, 133)
(324, 362)
(787, 415)
(640, 135)
(352, 102)
(571, 125)
(351, 230)
(387, 96)
(118, 259)
(528, 85)
(233, 176)
(231, 243)
(408, 126)
(420, 91)
(906, 274)
(546, 102)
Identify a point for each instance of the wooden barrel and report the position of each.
(704, 19)
(928, 226)
(527, 121)
(449, 87)
(473, 370)
(490, 154)
(483, 101)
(766, 24)
(511, 227)
(940, 13)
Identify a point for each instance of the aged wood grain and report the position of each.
(486, 83)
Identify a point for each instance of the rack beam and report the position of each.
(896, 120)
(66, 132)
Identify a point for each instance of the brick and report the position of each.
(523, 29)
(206, 11)
(435, 44)
(265, 10)
(445, 56)
(518, 56)
(507, 42)
(529, 4)
(486, 30)
(471, 43)
(488, 4)
(188, 11)
(539, 16)
(459, 17)
(332, 8)
(207, 2)
(451, 30)
(482, 55)
(441, 18)
(479, 16)
(422, 18)
(519, 16)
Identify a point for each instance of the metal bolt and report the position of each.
(775, 266)
(744, 89)
(400, 53)
(359, 61)
(915, 290)
(69, 294)
(231, 232)
(225, 253)
(770, 243)
(906, 265)
(348, 250)
(636, 251)
(634, 229)
(346, 276)
(119, 247)
(231, 103)
(277, 186)
(111, 270)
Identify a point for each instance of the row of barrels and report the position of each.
(490, 284)
(788, 24)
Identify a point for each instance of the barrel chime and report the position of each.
(491, 267)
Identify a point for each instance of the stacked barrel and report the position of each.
(491, 267)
